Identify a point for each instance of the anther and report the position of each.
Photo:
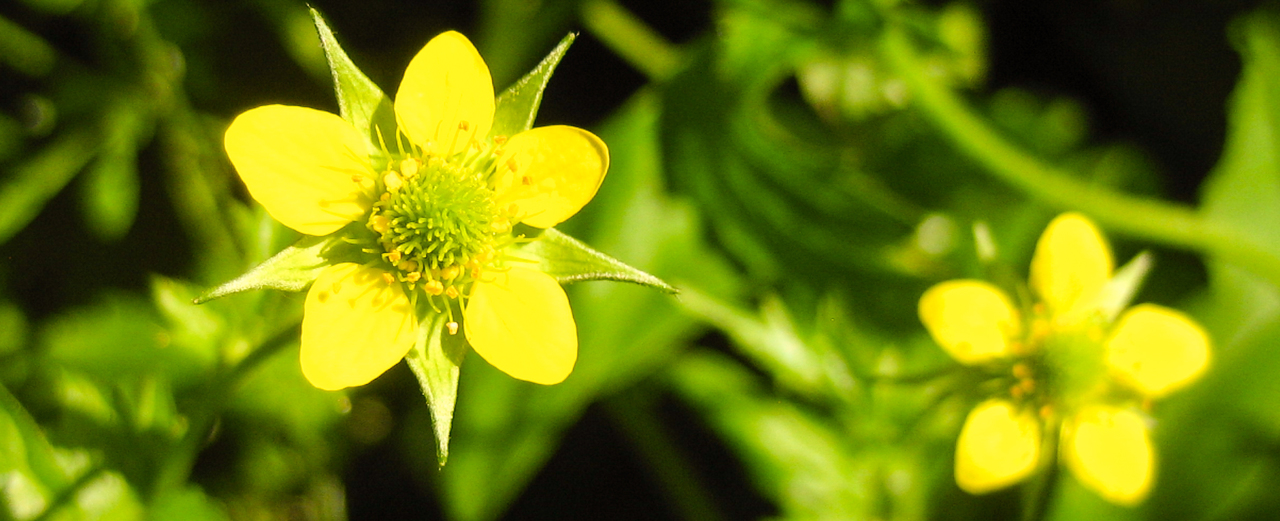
(511, 164)
(380, 223)
(393, 182)
(449, 272)
(433, 287)
(409, 167)
(526, 180)
(453, 327)
(386, 277)
(407, 265)
(451, 292)
(393, 256)
(463, 125)
(499, 140)
(413, 276)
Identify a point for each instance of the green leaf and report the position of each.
(517, 106)
(435, 360)
(34, 182)
(111, 185)
(360, 101)
(569, 260)
(290, 270)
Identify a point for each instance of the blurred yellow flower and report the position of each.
(1070, 368)
(438, 204)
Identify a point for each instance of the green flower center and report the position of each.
(438, 223)
(1067, 368)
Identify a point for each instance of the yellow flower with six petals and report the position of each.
(1074, 374)
(436, 209)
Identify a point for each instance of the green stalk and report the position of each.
(631, 39)
(1169, 223)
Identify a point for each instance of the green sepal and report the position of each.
(293, 269)
(436, 359)
(517, 106)
(360, 101)
(569, 260)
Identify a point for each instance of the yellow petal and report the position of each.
(1109, 451)
(999, 445)
(550, 173)
(305, 166)
(971, 319)
(1071, 264)
(521, 323)
(1157, 349)
(355, 326)
(446, 98)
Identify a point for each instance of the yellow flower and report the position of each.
(436, 206)
(1068, 368)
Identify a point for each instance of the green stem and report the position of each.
(1169, 223)
(633, 413)
(630, 38)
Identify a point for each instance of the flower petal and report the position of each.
(521, 324)
(1071, 265)
(550, 173)
(1109, 451)
(445, 100)
(999, 445)
(305, 166)
(355, 326)
(1157, 349)
(972, 320)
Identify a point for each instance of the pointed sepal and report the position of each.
(436, 360)
(293, 269)
(569, 260)
(517, 106)
(360, 101)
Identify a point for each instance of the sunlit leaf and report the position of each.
(569, 260)
(436, 360)
(293, 269)
(517, 106)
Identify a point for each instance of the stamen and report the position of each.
(451, 292)
(394, 184)
(433, 287)
(453, 327)
(388, 278)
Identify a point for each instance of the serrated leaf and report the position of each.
(569, 260)
(290, 270)
(436, 360)
(360, 101)
(517, 106)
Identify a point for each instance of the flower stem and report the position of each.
(1170, 223)
(630, 38)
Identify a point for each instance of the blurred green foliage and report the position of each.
(800, 170)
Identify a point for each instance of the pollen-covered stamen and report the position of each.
(438, 223)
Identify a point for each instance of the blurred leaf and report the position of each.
(189, 504)
(111, 182)
(517, 106)
(435, 360)
(1218, 440)
(569, 260)
(293, 269)
(120, 337)
(30, 184)
(795, 458)
(13, 328)
(360, 101)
